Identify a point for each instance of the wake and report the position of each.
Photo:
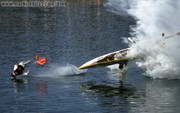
(57, 71)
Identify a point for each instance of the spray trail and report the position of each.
(56, 71)
(159, 51)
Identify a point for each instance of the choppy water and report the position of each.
(68, 37)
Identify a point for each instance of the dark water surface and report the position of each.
(69, 36)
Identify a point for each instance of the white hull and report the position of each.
(108, 59)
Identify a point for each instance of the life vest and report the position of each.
(41, 61)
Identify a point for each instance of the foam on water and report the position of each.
(57, 70)
(154, 17)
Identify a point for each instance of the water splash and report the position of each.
(119, 7)
(56, 71)
(159, 52)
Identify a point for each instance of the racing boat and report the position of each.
(118, 57)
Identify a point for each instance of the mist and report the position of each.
(156, 34)
(60, 70)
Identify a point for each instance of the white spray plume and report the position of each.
(160, 51)
(118, 6)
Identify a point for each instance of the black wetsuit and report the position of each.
(18, 71)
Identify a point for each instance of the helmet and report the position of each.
(21, 64)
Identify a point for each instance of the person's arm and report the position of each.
(15, 67)
(26, 73)
(29, 61)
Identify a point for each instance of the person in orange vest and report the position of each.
(40, 60)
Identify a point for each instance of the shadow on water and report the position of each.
(111, 88)
(20, 81)
(19, 84)
(108, 89)
(113, 96)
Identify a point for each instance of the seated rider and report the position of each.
(18, 69)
